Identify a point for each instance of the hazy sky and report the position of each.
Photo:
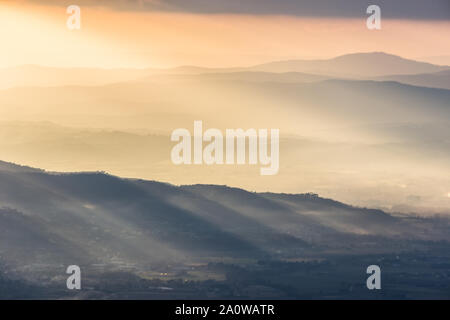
(160, 33)
(400, 9)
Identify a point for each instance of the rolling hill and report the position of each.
(54, 218)
(439, 79)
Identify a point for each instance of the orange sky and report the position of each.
(32, 34)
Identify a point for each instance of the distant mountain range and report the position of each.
(370, 129)
(347, 135)
(354, 65)
(358, 66)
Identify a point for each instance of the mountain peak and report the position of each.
(363, 64)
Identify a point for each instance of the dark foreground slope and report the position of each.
(144, 239)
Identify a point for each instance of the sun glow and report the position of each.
(37, 34)
(42, 38)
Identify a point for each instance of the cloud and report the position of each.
(398, 9)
